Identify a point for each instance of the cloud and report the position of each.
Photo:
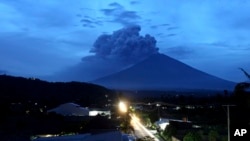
(125, 44)
(154, 26)
(36, 15)
(120, 15)
(134, 2)
(87, 22)
(27, 55)
(179, 52)
(127, 18)
(170, 35)
(116, 5)
(234, 15)
(159, 25)
(172, 28)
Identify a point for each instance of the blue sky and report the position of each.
(41, 37)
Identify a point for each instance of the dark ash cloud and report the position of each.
(125, 44)
(112, 53)
(120, 15)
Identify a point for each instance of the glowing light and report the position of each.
(48, 135)
(136, 118)
(93, 113)
(123, 107)
(163, 125)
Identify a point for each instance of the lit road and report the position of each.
(140, 130)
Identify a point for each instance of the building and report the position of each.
(99, 111)
(101, 136)
(70, 109)
(163, 122)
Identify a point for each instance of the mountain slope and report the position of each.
(160, 72)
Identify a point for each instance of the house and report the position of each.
(163, 122)
(99, 111)
(72, 109)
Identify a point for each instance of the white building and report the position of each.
(164, 122)
(72, 109)
(103, 136)
(96, 111)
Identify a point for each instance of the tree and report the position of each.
(241, 94)
(213, 135)
(246, 74)
(148, 122)
(192, 136)
(169, 131)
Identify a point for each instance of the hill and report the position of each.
(20, 89)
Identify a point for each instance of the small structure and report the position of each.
(99, 111)
(163, 122)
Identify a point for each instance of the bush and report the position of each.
(192, 136)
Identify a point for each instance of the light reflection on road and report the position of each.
(140, 130)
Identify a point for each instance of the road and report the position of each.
(140, 130)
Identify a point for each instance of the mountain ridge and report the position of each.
(21, 89)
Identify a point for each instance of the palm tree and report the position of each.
(241, 88)
(241, 98)
(247, 75)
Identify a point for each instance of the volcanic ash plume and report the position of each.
(125, 44)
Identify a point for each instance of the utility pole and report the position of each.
(228, 121)
(158, 110)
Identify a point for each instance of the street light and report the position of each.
(123, 107)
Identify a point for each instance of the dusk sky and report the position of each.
(41, 37)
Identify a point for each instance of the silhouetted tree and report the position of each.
(213, 135)
(241, 93)
(192, 136)
(169, 131)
